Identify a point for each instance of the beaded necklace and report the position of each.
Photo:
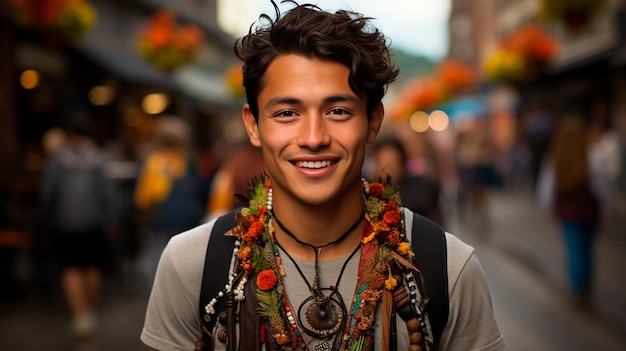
(385, 259)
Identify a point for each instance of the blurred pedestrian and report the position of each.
(568, 186)
(475, 159)
(417, 192)
(232, 178)
(80, 203)
(170, 193)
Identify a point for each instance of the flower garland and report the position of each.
(384, 251)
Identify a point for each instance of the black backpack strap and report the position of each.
(216, 264)
(428, 241)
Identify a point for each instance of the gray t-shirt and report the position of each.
(172, 321)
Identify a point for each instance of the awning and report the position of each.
(126, 65)
(465, 107)
(192, 80)
(202, 84)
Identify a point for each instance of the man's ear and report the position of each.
(376, 121)
(252, 127)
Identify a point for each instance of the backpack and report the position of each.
(428, 242)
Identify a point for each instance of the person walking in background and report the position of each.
(169, 193)
(477, 174)
(79, 202)
(418, 192)
(232, 178)
(568, 185)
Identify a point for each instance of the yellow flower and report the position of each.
(369, 238)
(404, 249)
(391, 283)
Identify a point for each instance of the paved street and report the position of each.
(521, 253)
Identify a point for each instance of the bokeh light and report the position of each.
(438, 120)
(29, 79)
(154, 104)
(101, 95)
(419, 121)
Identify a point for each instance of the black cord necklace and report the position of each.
(318, 249)
(326, 314)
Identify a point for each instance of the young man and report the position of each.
(322, 259)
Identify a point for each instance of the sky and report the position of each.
(416, 26)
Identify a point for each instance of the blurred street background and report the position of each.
(156, 88)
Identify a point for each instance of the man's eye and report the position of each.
(284, 114)
(338, 111)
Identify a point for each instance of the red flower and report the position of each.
(391, 206)
(391, 217)
(376, 189)
(393, 238)
(262, 333)
(254, 231)
(251, 219)
(266, 279)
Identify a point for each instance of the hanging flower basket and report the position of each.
(575, 14)
(234, 80)
(167, 44)
(504, 65)
(455, 76)
(66, 20)
(522, 56)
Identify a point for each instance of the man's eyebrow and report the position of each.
(341, 98)
(285, 100)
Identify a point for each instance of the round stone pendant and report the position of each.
(324, 319)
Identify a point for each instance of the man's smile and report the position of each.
(314, 164)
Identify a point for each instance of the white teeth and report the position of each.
(313, 164)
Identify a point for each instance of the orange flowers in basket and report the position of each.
(521, 56)
(167, 44)
(66, 19)
(451, 77)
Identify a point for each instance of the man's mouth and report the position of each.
(313, 164)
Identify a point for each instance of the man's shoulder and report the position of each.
(190, 245)
(455, 246)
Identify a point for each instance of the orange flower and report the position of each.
(168, 44)
(376, 189)
(244, 252)
(455, 75)
(391, 217)
(247, 266)
(254, 231)
(532, 42)
(266, 279)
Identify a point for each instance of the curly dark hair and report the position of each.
(346, 37)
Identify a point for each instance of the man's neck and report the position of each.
(319, 225)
